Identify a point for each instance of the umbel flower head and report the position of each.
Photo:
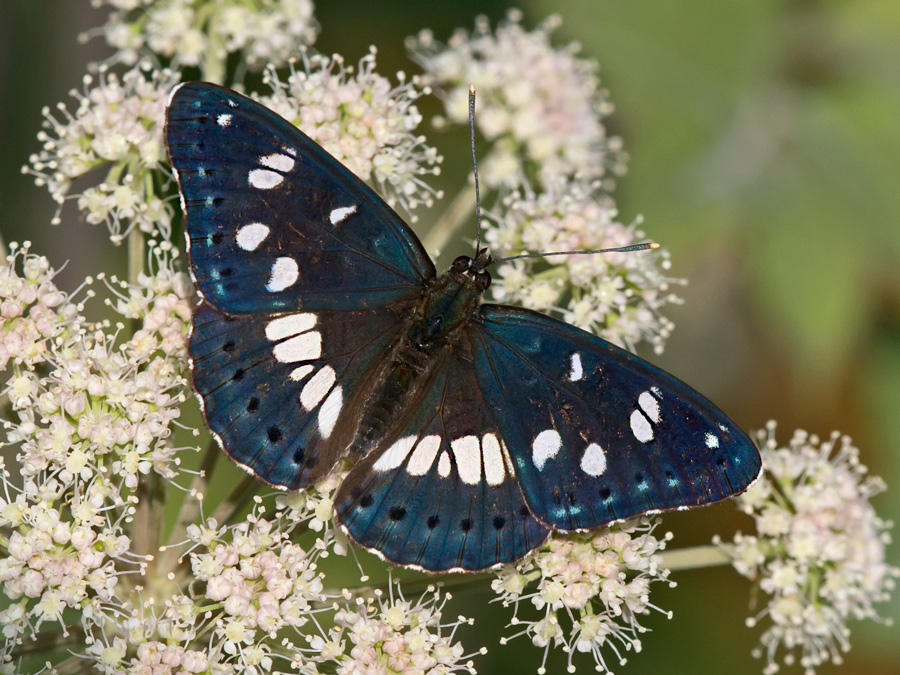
(618, 296)
(117, 128)
(363, 120)
(819, 549)
(589, 591)
(190, 31)
(541, 106)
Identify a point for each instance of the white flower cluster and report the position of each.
(33, 310)
(597, 583)
(618, 296)
(362, 120)
(87, 417)
(190, 32)
(541, 106)
(104, 410)
(389, 636)
(819, 548)
(117, 125)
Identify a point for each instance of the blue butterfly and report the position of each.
(474, 429)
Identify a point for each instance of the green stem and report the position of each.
(458, 213)
(695, 557)
(135, 254)
(3, 250)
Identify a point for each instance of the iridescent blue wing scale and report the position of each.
(440, 493)
(597, 434)
(274, 223)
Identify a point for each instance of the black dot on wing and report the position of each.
(253, 404)
(639, 478)
(524, 511)
(274, 434)
(397, 513)
(433, 521)
(228, 346)
(298, 456)
(721, 462)
(227, 272)
(238, 375)
(604, 493)
(366, 501)
(216, 238)
(499, 522)
(466, 524)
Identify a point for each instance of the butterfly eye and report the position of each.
(461, 264)
(484, 279)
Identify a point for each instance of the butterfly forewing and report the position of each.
(606, 436)
(274, 223)
(440, 492)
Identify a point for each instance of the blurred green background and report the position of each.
(764, 138)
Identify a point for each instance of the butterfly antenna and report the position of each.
(646, 246)
(475, 166)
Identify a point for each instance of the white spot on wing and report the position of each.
(223, 120)
(289, 150)
(330, 410)
(340, 214)
(649, 405)
(712, 441)
(303, 347)
(576, 373)
(467, 451)
(278, 162)
(444, 465)
(298, 374)
(263, 179)
(292, 324)
(493, 460)
(593, 461)
(318, 385)
(394, 455)
(545, 446)
(284, 274)
(423, 456)
(640, 427)
(252, 235)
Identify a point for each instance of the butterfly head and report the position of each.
(472, 272)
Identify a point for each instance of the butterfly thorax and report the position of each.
(435, 330)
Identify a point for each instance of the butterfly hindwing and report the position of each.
(274, 223)
(274, 387)
(596, 433)
(440, 492)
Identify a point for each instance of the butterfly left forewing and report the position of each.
(273, 222)
(597, 434)
(439, 493)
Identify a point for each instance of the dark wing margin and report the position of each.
(439, 494)
(596, 433)
(273, 222)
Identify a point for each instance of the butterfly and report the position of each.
(474, 429)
